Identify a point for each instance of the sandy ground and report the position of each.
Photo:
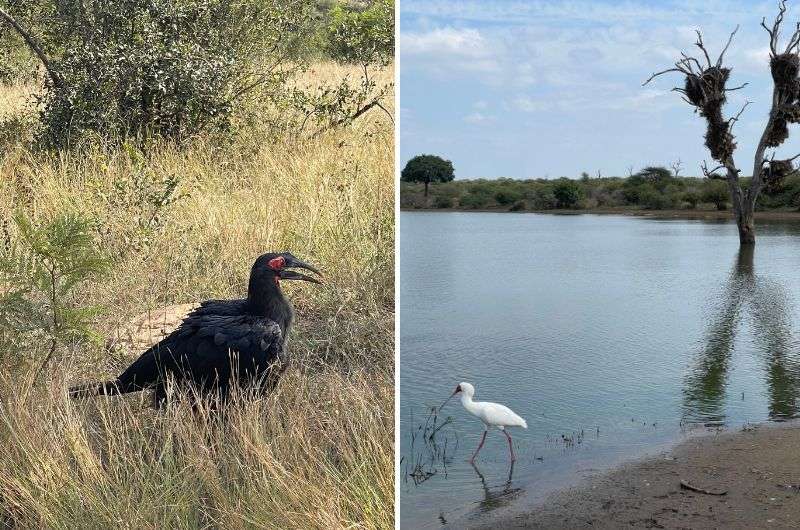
(757, 469)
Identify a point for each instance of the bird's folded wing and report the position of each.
(201, 349)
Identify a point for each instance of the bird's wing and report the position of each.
(200, 350)
(502, 415)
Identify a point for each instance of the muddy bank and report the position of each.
(725, 215)
(743, 480)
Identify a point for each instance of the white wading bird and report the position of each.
(491, 414)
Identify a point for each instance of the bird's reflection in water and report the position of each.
(496, 497)
(762, 302)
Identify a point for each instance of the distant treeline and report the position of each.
(650, 189)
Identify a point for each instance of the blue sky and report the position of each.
(546, 88)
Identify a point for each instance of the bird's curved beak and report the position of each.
(286, 274)
(456, 391)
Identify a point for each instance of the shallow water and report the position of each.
(612, 335)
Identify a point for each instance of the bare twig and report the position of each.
(727, 45)
(676, 69)
(702, 47)
(389, 114)
(737, 87)
(685, 485)
(712, 173)
(732, 121)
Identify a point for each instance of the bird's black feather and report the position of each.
(219, 343)
(202, 349)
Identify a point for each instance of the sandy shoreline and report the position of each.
(757, 468)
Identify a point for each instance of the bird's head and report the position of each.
(269, 269)
(465, 388)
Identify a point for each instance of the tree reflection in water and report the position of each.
(764, 303)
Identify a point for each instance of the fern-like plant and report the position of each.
(41, 265)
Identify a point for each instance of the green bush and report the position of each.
(40, 268)
(567, 193)
(505, 197)
(475, 200)
(716, 193)
(691, 197)
(364, 37)
(136, 68)
(644, 190)
(652, 199)
(443, 202)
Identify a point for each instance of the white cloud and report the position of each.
(523, 12)
(477, 117)
(445, 50)
(528, 104)
(446, 41)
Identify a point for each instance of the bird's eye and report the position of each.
(277, 263)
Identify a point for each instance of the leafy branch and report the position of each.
(39, 270)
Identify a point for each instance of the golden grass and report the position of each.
(316, 453)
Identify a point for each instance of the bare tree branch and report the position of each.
(34, 46)
(794, 41)
(730, 39)
(775, 31)
(700, 45)
(737, 87)
(732, 121)
(676, 69)
(712, 173)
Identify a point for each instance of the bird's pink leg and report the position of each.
(483, 439)
(510, 448)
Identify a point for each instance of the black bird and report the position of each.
(221, 341)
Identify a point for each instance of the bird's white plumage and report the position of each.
(497, 415)
(492, 414)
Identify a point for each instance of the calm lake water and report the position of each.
(613, 336)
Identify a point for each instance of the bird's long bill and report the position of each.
(446, 401)
(294, 275)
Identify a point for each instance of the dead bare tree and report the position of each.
(677, 167)
(705, 89)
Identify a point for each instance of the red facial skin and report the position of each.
(277, 264)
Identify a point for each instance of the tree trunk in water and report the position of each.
(426, 188)
(747, 228)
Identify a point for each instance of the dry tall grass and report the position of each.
(316, 453)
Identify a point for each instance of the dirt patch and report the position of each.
(148, 328)
(743, 480)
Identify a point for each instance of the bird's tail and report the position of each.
(105, 388)
(524, 424)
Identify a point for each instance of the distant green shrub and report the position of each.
(642, 190)
(505, 197)
(716, 193)
(475, 200)
(443, 202)
(652, 199)
(691, 197)
(567, 193)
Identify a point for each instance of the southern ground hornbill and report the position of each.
(220, 343)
